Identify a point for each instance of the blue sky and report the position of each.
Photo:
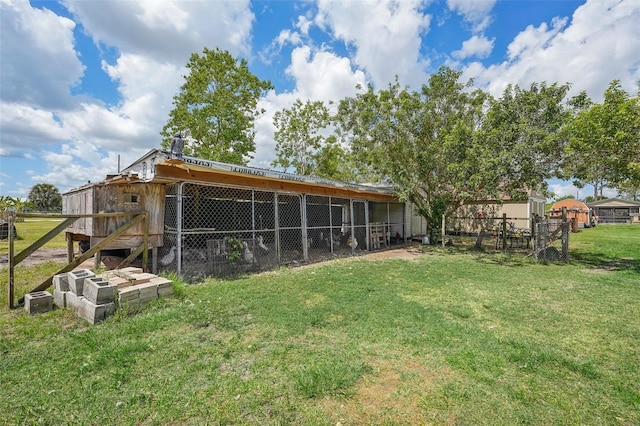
(83, 83)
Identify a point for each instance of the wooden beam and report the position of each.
(261, 182)
(42, 241)
(47, 283)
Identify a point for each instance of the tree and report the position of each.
(335, 162)
(603, 146)
(524, 139)
(45, 197)
(216, 108)
(448, 145)
(298, 135)
(420, 142)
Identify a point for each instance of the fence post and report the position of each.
(534, 220)
(565, 235)
(442, 230)
(504, 231)
(12, 217)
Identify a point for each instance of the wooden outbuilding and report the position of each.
(212, 218)
(577, 212)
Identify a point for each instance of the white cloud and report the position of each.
(323, 76)
(25, 127)
(601, 43)
(385, 34)
(478, 46)
(563, 188)
(152, 41)
(39, 61)
(477, 12)
(319, 75)
(303, 24)
(167, 30)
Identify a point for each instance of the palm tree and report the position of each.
(45, 197)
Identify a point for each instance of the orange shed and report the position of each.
(577, 212)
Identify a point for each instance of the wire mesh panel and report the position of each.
(167, 254)
(359, 233)
(499, 233)
(319, 222)
(220, 230)
(551, 241)
(386, 225)
(290, 239)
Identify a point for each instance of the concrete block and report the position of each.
(94, 313)
(99, 291)
(119, 282)
(38, 302)
(60, 298)
(141, 278)
(165, 286)
(61, 282)
(129, 270)
(76, 280)
(128, 297)
(73, 301)
(148, 292)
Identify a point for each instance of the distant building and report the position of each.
(577, 212)
(615, 210)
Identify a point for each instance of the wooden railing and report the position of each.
(68, 219)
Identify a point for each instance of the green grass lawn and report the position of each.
(30, 231)
(453, 337)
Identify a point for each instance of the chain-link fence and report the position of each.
(498, 233)
(219, 230)
(551, 241)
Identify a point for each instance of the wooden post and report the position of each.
(534, 220)
(442, 230)
(145, 244)
(504, 231)
(69, 247)
(12, 216)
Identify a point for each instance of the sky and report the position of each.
(88, 85)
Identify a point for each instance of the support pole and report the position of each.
(504, 231)
(12, 217)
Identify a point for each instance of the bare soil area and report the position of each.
(60, 255)
(39, 256)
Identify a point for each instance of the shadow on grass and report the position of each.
(513, 258)
(596, 261)
(521, 258)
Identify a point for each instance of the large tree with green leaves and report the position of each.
(448, 144)
(216, 108)
(603, 146)
(45, 197)
(523, 139)
(299, 135)
(420, 142)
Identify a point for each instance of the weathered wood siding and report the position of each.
(117, 198)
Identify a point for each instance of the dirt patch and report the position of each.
(596, 271)
(39, 256)
(393, 393)
(404, 253)
(60, 255)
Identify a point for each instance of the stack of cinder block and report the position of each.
(139, 287)
(95, 298)
(89, 296)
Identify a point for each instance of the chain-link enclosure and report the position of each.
(551, 241)
(217, 230)
(498, 233)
